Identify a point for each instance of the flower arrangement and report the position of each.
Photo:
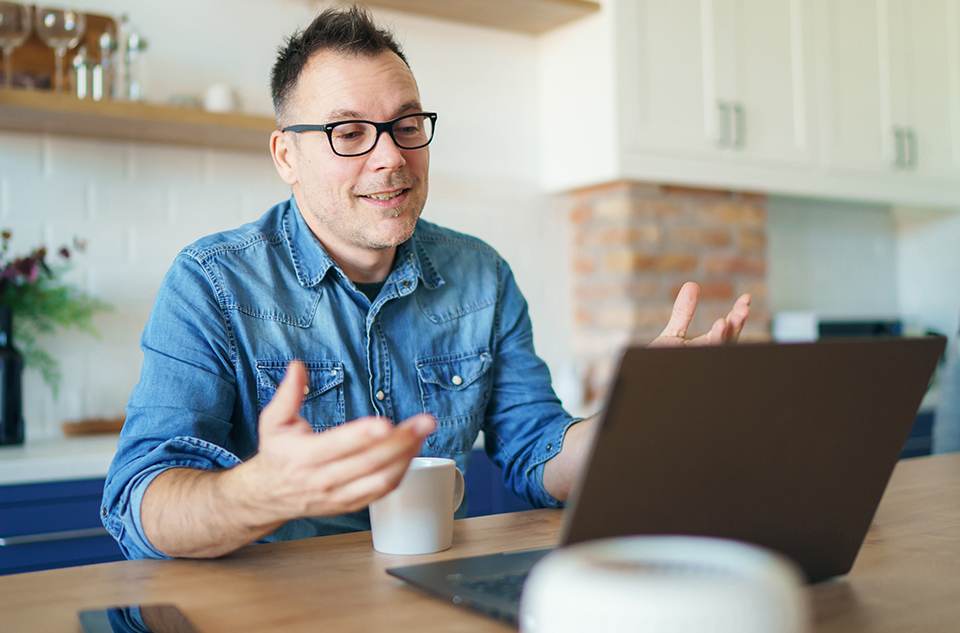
(41, 301)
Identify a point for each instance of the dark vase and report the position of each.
(11, 373)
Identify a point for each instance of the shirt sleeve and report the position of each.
(179, 414)
(525, 422)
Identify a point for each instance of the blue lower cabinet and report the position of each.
(51, 525)
(920, 441)
(486, 493)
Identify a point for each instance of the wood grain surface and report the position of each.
(524, 16)
(36, 111)
(906, 578)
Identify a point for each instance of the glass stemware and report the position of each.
(61, 30)
(14, 30)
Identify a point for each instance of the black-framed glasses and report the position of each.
(356, 137)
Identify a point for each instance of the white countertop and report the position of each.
(57, 459)
(65, 458)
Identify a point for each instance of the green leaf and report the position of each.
(42, 307)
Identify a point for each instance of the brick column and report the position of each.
(636, 244)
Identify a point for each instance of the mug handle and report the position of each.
(458, 488)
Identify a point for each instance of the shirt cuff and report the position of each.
(186, 452)
(550, 445)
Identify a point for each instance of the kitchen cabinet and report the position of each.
(855, 100)
(486, 493)
(53, 524)
(890, 86)
(727, 79)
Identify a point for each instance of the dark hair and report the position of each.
(342, 29)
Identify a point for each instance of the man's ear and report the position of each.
(285, 157)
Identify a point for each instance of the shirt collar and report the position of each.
(310, 259)
(312, 263)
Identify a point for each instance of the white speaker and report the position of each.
(660, 584)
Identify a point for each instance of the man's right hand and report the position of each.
(299, 473)
(296, 473)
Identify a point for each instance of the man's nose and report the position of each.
(386, 154)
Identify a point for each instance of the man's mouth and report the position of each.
(390, 195)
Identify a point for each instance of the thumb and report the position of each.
(284, 408)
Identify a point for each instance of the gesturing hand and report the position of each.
(299, 473)
(723, 330)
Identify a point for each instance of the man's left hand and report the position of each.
(723, 330)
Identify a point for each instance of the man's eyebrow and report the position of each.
(344, 115)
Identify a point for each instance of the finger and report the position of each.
(284, 408)
(713, 337)
(346, 440)
(737, 317)
(683, 309)
(385, 460)
(401, 439)
(362, 490)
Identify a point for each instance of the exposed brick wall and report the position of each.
(635, 245)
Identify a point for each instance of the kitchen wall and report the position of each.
(137, 204)
(836, 258)
(848, 260)
(928, 267)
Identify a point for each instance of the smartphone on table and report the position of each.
(146, 618)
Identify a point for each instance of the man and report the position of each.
(339, 304)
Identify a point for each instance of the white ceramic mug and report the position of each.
(417, 517)
(220, 98)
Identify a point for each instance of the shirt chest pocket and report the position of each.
(455, 385)
(322, 404)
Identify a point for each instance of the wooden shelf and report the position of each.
(526, 16)
(51, 113)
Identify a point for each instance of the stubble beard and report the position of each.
(353, 226)
(413, 207)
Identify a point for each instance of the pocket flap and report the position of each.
(322, 375)
(454, 371)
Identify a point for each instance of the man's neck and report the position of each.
(361, 265)
(364, 265)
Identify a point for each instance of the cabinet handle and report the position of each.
(738, 116)
(910, 161)
(66, 535)
(724, 109)
(898, 135)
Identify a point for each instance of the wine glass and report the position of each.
(61, 30)
(14, 30)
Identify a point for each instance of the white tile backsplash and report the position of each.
(136, 206)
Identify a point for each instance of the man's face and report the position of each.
(372, 201)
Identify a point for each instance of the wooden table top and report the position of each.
(906, 578)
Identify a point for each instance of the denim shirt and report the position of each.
(449, 334)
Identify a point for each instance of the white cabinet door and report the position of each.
(855, 118)
(768, 46)
(720, 78)
(662, 80)
(890, 86)
(925, 84)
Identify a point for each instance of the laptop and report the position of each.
(788, 446)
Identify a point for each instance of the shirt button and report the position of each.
(549, 447)
(306, 390)
(457, 380)
(405, 283)
(103, 512)
(381, 395)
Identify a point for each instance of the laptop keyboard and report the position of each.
(504, 586)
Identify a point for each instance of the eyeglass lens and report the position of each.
(350, 139)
